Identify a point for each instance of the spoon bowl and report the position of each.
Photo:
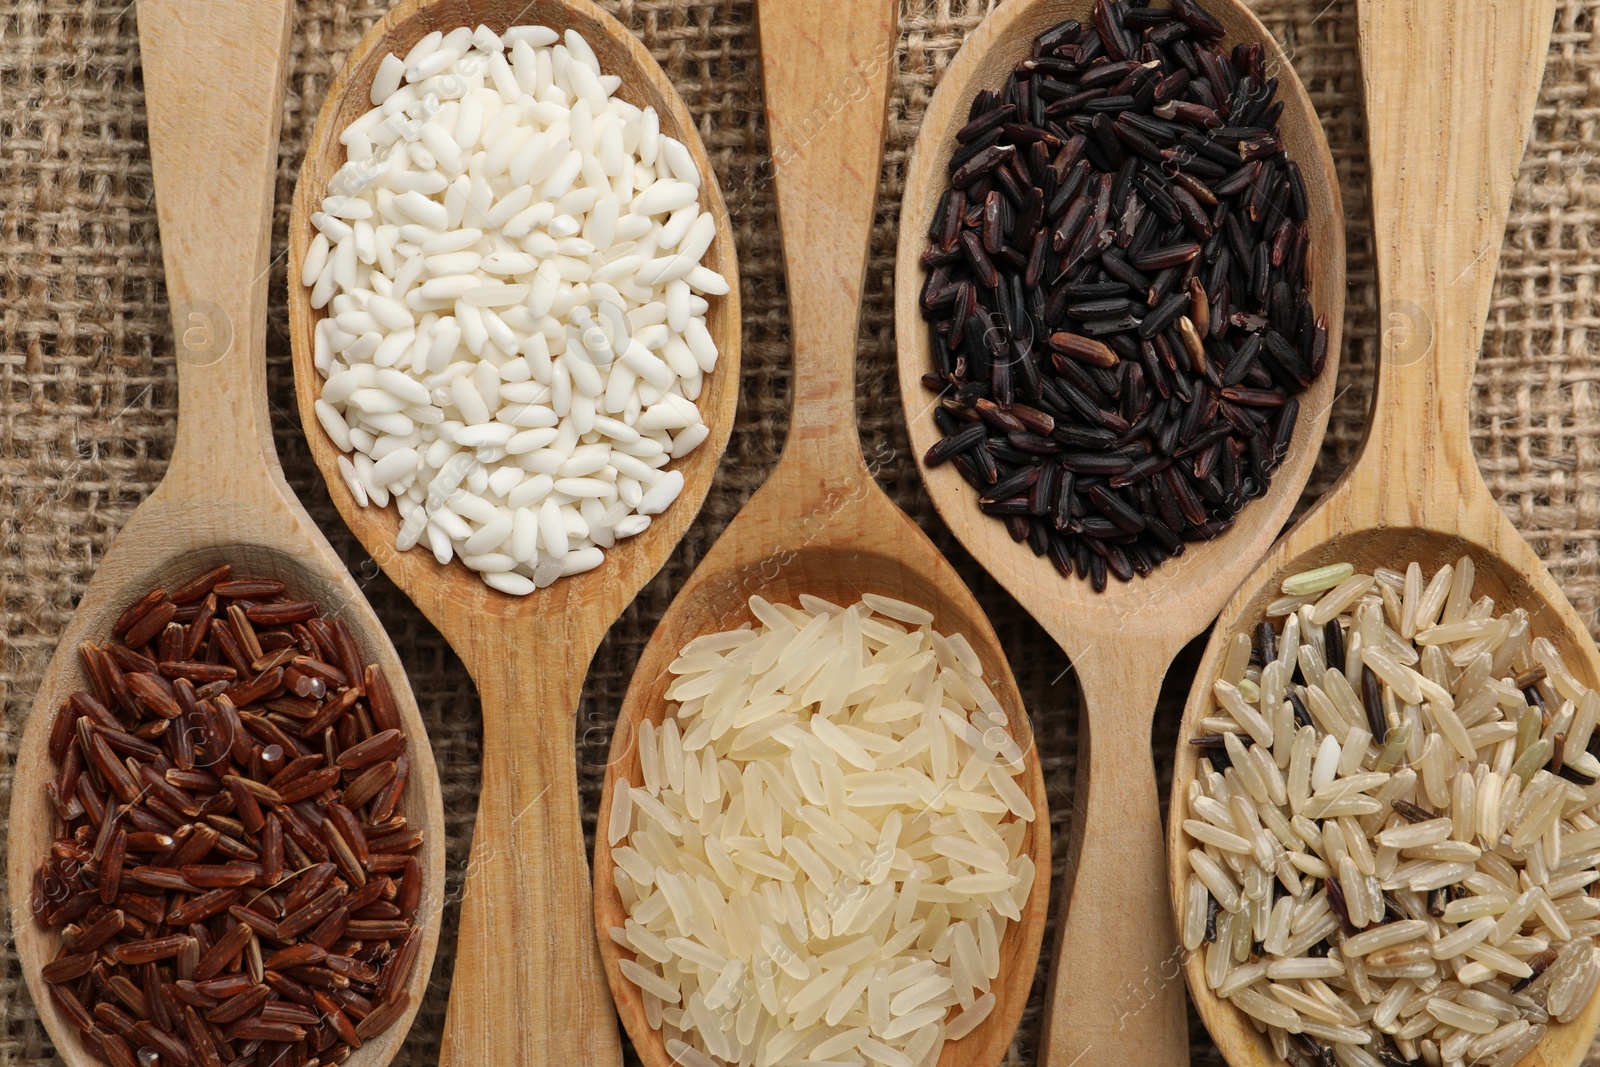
(1502, 572)
(841, 571)
(1450, 94)
(820, 524)
(125, 576)
(213, 75)
(1115, 958)
(528, 986)
(643, 84)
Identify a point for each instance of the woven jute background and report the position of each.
(88, 398)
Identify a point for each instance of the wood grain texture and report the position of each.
(213, 76)
(1450, 91)
(528, 987)
(1114, 996)
(820, 524)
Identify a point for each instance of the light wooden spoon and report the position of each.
(1114, 996)
(528, 986)
(1450, 93)
(213, 76)
(821, 525)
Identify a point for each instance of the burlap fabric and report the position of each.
(88, 399)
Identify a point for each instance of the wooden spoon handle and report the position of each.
(528, 985)
(825, 75)
(213, 80)
(1116, 990)
(1445, 136)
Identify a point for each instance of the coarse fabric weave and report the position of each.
(88, 391)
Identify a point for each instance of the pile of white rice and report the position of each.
(516, 333)
(826, 849)
(1396, 826)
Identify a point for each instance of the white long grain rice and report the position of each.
(822, 851)
(1396, 898)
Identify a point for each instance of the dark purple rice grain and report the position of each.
(967, 438)
(1372, 701)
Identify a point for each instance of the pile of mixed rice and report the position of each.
(1393, 828)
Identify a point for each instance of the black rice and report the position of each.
(1118, 291)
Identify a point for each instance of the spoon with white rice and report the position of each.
(821, 528)
(500, 543)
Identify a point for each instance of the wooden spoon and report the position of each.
(821, 525)
(1114, 996)
(1450, 92)
(528, 986)
(213, 75)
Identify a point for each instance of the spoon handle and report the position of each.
(528, 986)
(825, 75)
(1450, 93)
(213, 80)
(1116, 990)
